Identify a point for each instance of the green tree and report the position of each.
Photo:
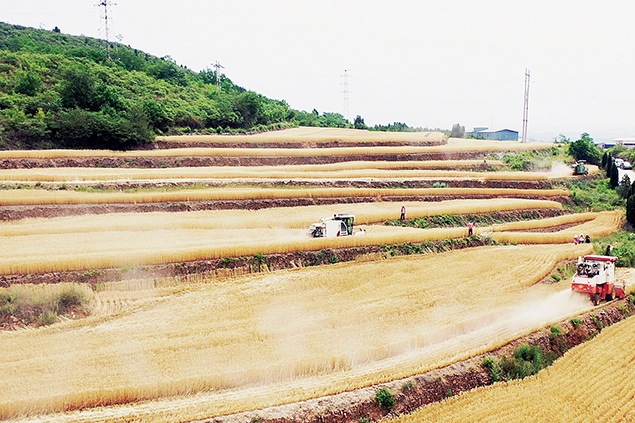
(77, 89)
(605, 159)
(615, 177)
(585, 149)
(458, 131)
(359, 123)
(630, 210)
(28, 83)
(249, 106)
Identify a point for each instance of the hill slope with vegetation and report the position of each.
(58, 90)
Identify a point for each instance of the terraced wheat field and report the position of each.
(200, 346)
(310, 332)
(600, 366)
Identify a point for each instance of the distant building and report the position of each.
(626, 142)
(501, 134)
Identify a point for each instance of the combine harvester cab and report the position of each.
(596, 276)
(331, 227)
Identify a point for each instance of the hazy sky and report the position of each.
(425, 63)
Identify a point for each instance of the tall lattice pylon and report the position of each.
(105, 4)
(218, 67)
(526, 108)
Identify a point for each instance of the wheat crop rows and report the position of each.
(262, 172)
(592, 383)
(39, 196)
(257, 341)
(453, 145)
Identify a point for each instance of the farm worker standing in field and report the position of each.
(575, 240)
(403, 212)
(470, 228)
(485, 160)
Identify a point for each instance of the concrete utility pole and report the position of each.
(526, 108)
(105, 4)
(218, 67)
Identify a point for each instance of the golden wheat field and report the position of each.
(453, 145)
(251, 342)
(264, 172)
(311, 134)
(97, 242)
(40, 197)
(591, 383)
(299, 217)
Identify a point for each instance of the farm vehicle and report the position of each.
(330, 227)
(596, 276)
(579, 168)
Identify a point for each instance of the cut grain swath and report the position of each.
(281, 337)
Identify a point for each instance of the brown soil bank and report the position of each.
(436, 385)
(197, 161)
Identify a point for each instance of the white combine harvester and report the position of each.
(330, 227)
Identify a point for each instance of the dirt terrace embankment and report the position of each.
(198, 161)
(422, 389)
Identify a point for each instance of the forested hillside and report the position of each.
(58, 90)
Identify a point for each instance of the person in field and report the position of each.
(403, 212)
(470, 228)
(484, 160)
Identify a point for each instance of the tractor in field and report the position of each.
(596, 276)
(579, 168)
(330, 227)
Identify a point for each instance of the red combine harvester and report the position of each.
(596, 276)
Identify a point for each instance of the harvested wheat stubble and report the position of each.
(314, 135)
(599, 366)
(39, 197)
(282, 337)
(74, 174)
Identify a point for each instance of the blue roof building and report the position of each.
(501, 134)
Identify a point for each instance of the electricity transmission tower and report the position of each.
(526, 108)
(218, 67)
(105, 4)
(346, 92)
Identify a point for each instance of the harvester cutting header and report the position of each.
(596, 276)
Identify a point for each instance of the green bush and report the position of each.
(576, 322)
(34, 304)
(385, 399)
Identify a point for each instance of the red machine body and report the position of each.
(596, 276)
